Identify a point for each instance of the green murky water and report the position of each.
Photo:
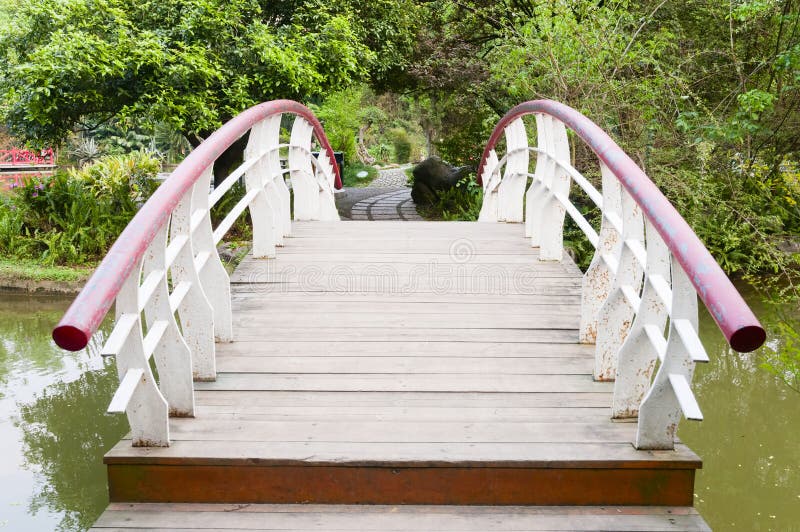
(53, 431)
(749, 439)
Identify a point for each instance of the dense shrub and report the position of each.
(402, 145)
(74, 216)
(462, 202)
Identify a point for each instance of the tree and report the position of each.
(192, 64)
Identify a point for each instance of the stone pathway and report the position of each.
(386, 198)
(394, 205)
(391, 177)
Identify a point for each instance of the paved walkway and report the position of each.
(394, 205)
(391, 177)
(386, 198)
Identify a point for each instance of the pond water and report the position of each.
(53, 430)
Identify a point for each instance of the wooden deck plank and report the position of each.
(420, 349)
(399, 414)
(465, 400)
(297, 518)
(400, 432)
(243, 294)
(356, 382)
(399, 364)
(325, 335)
(394, 454)
(557, 319)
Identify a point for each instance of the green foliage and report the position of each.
(460, 203)
(191, 64)
(784, 362)
(74, 216)
(710, 111)
(340, 115)
(351, 178)
(381, 152)
(242, 228)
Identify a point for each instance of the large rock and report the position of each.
(433, 176)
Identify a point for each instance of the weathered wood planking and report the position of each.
(306, 518)
(411, 363)
(607, 455)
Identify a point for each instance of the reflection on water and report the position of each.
(67, 451)
(53, 431)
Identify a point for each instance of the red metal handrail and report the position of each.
(92, 304)
(734, 318)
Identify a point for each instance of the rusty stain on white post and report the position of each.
(616, 315)
(599, 277)
(638, 355)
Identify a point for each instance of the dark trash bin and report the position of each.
(339, 156)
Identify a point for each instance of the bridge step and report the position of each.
(305, 518)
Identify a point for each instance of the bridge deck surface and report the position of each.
(404, 363)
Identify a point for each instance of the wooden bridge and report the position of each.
(406, 375)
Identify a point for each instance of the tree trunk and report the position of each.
(228, 161)
(362, 152)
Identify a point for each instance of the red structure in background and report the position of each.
(17, 158)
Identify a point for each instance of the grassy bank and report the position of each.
(28, 275)
(31, 270)
(351, 178)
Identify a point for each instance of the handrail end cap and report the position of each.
(748, 338)
(70, 337)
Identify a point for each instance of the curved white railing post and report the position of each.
(617, 312)
(512, 186)
(551, 245)
(164, 340)
(188, 297)
(213, 277)
(599, 277)
(622, 313)
(671, 393)
(491, 180)
(301, 171)
(325, 182)
(171, 242)
(536, 196)
(277, 191)
(262, 210)
(639, 352)
(138, 395)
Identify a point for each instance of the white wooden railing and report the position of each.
(172, 292)
(647, 270)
